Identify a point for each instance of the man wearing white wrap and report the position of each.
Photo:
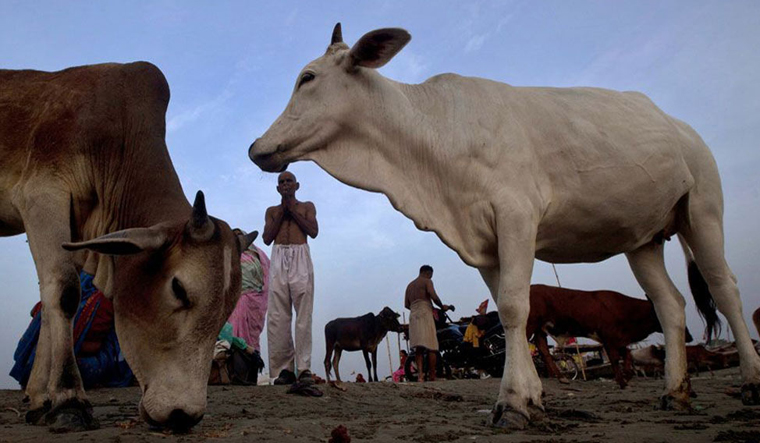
(419, 298)
(291, 284)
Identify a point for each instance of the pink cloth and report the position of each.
(250, 312)
(398, 375)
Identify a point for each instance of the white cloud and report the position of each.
(475, 43)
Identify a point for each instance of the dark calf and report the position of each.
(611, 318)
(358, 333)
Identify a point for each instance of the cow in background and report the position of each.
(358, 333)
(611, 318)
(652, 358)
(505, 175)
(85, 172)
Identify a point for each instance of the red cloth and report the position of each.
(101, 325)
(483, 308)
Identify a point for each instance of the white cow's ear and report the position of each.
(128, 241)
(378, 47)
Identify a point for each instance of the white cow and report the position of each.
(504, 175)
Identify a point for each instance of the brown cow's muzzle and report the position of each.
(178, 421)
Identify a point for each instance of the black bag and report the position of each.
(244, 368)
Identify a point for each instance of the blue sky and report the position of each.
(232, 65)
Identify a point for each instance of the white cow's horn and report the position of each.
(337, 36)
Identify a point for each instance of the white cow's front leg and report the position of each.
(510, 287)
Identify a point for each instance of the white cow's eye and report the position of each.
(305, 78)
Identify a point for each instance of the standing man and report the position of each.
(420, 296)
(291, 283)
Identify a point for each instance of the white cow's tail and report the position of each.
(701, 293)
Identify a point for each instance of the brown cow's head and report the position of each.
(173, 286)
(389, 319)
(330, 99)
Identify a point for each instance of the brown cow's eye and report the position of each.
(305, 78)
(180, 293)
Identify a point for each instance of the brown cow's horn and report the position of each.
(337, 36)
(201, 227)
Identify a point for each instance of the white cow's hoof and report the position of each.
(506, 417)
(672, 403)
(751, 394)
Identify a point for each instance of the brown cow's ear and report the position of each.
(244, 241)
(378, 47)
(128, 241)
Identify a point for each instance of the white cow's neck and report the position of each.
(402, 150)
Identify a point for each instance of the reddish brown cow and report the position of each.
(613, 319)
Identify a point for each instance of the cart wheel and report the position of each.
(567, 366)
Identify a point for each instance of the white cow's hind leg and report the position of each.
(648, 266)
(510, 288)
(705, 238)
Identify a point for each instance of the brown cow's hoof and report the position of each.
(671, 403)
(72, 416)
(506, 417)
(751, 394)
(35, 416)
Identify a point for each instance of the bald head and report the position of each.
(287, 184)
(286, 174)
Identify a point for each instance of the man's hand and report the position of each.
(288, 206)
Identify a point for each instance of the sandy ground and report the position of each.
(444, 411)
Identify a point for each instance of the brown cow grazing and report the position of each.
(84, 165)
(611, 318)
(358, 333)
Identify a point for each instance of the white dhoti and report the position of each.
(291, 286)
(422, 326)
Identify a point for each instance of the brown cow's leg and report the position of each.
(628, 371)
(374, 363)
(648, 267)
(336, 361)
(614, 354)
(543, 348)
(330, 345)
(55, 386)
(368, 363)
